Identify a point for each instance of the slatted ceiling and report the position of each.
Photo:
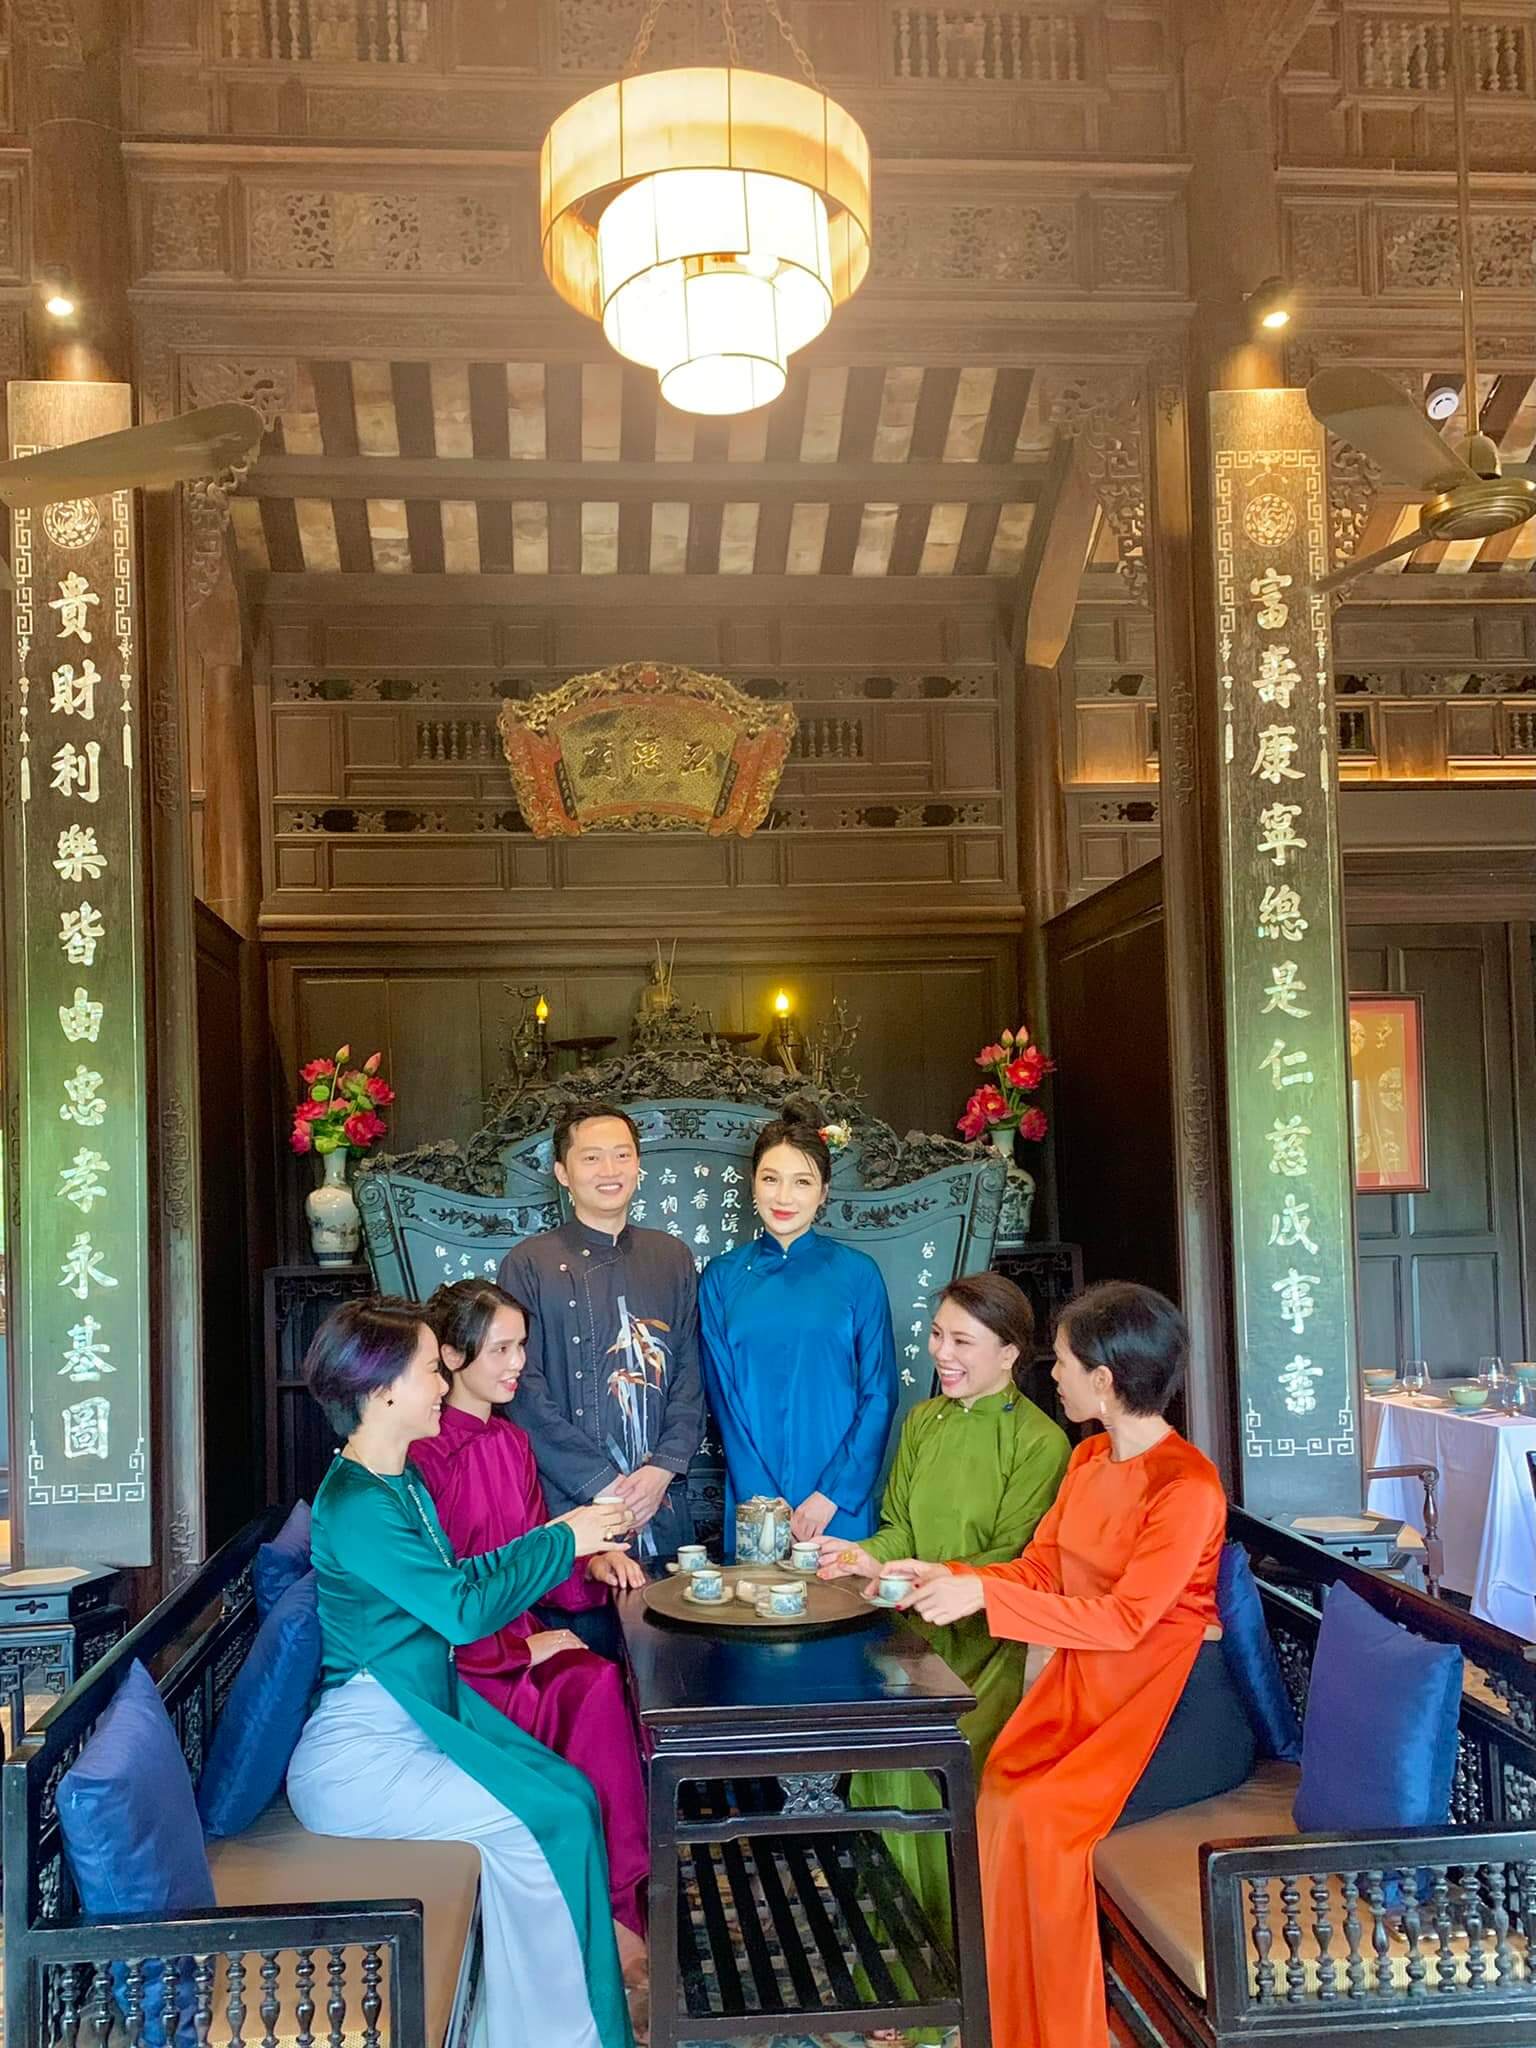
(908, 539)
(1036, 435)
(1460, 556)
(599, 538)
(1518, 441)
(461, 537)
(602, 404)
(530, 538)
(841, 540)
(1010, 540)
(825, 392)
(703, 557)
(317, 536)
(563, 383)
(968, 421)
(280, 533)
(373, 408)
(1503, 404)
(250, 534)
(490, 440)
(300, 425)
(388, 536)
(335, 407)
(738, 538)
(936, 403)
(976, 537)
(674, 433)
(898, 414)
(523, 395)
(946, 524)
(1522, 547)
(861, 415)
(807, 538)
(1005, 416)
(877, 534)
(451, 434)
(749, 436)
(669, 537)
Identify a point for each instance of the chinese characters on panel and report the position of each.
(79, 1008)
(1285, 999)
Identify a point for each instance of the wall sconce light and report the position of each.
(1269, 304)
(785, 1043)
(60, 299)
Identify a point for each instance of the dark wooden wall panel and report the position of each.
(1441, 1273)
(1113, 1095)
(441, 1013)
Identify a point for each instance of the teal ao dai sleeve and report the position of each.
(800, 1368)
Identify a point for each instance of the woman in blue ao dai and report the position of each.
(798, 1352)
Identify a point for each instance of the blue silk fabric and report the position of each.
(263, 1717)
(278, 1564)
(800, 1369)
(1252, 1661)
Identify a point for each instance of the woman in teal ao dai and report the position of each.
(798, 1353)
(398, 1746)
(975, 1469)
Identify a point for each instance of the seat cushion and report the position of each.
(1382, 1711)
(278, 1564)
(264, 1714)
(276, 1862)
(1152, 1870)
(1251, 1658)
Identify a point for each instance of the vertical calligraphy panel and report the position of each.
(1282, 905)
(76, 987)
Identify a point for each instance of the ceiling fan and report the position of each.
(201, 443)
(1468, 494)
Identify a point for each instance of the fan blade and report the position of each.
(1372, 414)
(1362, 565)
(137, 458)
(1527, 470)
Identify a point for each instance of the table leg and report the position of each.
(664, 1779)
(958, 1773)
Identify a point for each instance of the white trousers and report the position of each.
(362, 1768)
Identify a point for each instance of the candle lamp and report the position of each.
(786, 1045)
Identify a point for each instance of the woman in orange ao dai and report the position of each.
(1120, 1580)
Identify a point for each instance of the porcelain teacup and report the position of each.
(894, 1586)
(782, 1601)
(805, 1557)
(691, 1557)
(707, 1582)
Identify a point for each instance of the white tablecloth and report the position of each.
(1487, 1506)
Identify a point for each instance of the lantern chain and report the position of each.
(643, 34)
(776, 14)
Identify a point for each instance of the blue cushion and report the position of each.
(1380, 1744)
(131, 1831)
(1251, 1658)
(264, 1714)
(278, 1564)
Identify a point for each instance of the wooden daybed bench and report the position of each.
(311, 1933)
(1221, 1924)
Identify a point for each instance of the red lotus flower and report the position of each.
(1028, 1069)
(972, 1124)
(362, 1128)
(307, 1112)
(300, 1137)
(1032, 1124)
(990, 1103)
(990, 1055)
(380, 1091)
(317, 1070)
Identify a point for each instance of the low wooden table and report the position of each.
(774, 1907)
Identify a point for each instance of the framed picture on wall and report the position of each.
(1386, 1063)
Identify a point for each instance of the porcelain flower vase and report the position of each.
(335, 1230)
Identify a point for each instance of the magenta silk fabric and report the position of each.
(485, 1486)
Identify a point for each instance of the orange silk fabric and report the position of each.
(1121, 1580)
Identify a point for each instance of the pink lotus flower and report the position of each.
(362, 1128)
(1032, 1124)
(990, 1056)
(379, 1091)
(373, 1062)
(972, 1124)
(299, 1137)
(990, 1103)
(308, 1111)
(316, 1070)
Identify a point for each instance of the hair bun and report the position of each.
(800, 1114)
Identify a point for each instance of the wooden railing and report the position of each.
(1013, 45)
(324, 31)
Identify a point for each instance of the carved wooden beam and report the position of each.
(339, 598)
(1236, 49)
(1102, 414)
(822, 483)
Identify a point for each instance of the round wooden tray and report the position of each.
(830, 1604)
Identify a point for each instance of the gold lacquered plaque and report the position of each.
(646, 747)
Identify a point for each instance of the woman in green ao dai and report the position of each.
(975, 1469)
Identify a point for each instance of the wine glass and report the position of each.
(1414, 1376)
(1490, 1374)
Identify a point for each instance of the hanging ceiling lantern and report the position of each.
(711, 219)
